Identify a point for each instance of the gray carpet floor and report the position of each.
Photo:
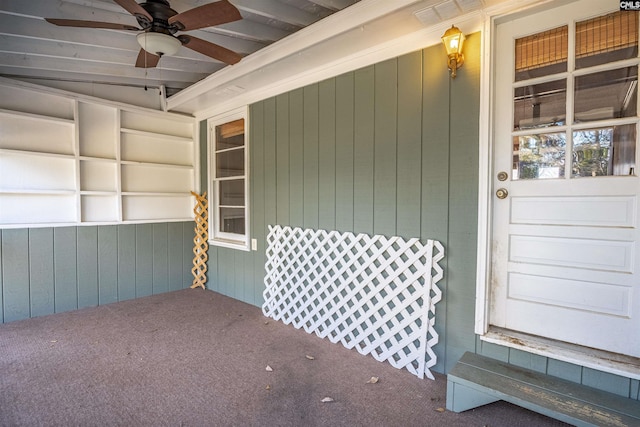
(197, 358)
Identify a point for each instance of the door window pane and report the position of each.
(606, 95)
(540, 105)
(542, 54)
(539, 156)
(606, 39)
(604, 151)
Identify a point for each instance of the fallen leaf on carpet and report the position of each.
(268, 387)
(373, 380)
(327, 400)
(440, 409)
(310, 357)
(268, 369)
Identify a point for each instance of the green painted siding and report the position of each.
(367, 152)
(378, 151)
(51, 270)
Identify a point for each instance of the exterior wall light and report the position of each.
(453, 40)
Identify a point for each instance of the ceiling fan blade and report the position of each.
(210, 49)
(207, 15)
(146, 59)
(90, 24)
(134, 8)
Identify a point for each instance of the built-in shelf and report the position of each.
(69, 160)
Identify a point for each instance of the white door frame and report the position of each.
(600, 360)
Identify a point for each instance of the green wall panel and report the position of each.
(389, 149)
(344, 151)
(385, 147)
(51, 270)
(160, 258)
(310, 170)
(41, 276)
(108, 264)
(327, 155)
(296, 159)
(126, 262)
(65, 269)
(87, 267)
(144, 260)
(15, 274)
(363, 150)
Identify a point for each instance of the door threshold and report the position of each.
(600, 360)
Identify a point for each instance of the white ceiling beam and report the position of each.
(275, 10)
(334, 4)
(93, 67)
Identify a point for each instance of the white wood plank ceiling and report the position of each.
(33, 49)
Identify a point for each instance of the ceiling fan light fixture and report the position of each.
(159, 43)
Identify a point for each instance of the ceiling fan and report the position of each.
(159, 24)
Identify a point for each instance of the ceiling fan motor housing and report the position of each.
(161, 11)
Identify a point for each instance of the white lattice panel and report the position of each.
(373, 293)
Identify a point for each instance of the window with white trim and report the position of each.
(228, 181)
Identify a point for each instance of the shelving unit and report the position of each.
(67, 160)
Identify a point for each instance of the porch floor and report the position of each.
(196, 358)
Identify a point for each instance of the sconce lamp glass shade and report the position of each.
(453, 40)
(158, 43)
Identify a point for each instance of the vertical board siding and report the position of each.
(388, 149)
(327, 155)
(65, 269)
(126, 262)
(87, 257)
(160, 276)
(385, 148)
(15, 274)
(41, 273)
(344, 151)
(107, 264)
(310, 170)
(363, 150)
(51, 270)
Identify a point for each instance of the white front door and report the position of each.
(565, 255)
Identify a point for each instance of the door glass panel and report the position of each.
(604, 151)
(232, 220)
(539, 156)
(606, 39)
(542, 54)
(606, 95)
(540, 105)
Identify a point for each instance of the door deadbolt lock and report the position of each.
(502, 193)
(502, 176)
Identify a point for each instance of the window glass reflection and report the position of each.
(539, 156)
(540, 105)
(232, 192)
(230, 163)
(232, 220)
(604, 151)
(606, 95)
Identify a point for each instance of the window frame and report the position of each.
(218, 237)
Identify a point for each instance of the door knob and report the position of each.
(502, 193)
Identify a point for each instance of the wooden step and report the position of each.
(477, 380)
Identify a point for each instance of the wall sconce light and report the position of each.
(453, 40)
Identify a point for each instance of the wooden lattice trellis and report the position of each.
(200, 241)
(376, 294)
